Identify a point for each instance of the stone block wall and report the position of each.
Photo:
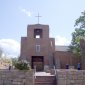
(70, 77)
(16, 77)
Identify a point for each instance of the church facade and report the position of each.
(40, 50)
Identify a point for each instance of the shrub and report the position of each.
(22, 65)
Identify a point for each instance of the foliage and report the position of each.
(81, 21)
(14, 61)
(78, 34)
(22, 65)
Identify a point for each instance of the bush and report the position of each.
(22, 65)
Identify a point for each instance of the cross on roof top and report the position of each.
(38, 17)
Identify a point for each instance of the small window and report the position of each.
(37, 33)
(37, 48)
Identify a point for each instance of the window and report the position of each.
(37, 33)
(37, 48)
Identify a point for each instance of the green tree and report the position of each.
(81, 21)
(78, 34)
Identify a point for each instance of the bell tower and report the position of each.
(37, 47)
(38, 33)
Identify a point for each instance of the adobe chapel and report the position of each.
(41, 52)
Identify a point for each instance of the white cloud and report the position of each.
(25, 11)
(59, 40)
(10, 47)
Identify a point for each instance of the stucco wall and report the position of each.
(82, 47)
(67, 58)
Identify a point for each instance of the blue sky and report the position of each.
(60, 15)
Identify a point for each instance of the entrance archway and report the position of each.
(38, 62)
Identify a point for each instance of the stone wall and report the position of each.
(70, 77)
(16, 77)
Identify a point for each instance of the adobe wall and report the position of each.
(28, 45)
(67, 58)
(82, 47)
(16, 77)
(70, 77)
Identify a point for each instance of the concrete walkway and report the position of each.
(43, 74)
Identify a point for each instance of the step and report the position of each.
(45, 80)
(44, 84)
